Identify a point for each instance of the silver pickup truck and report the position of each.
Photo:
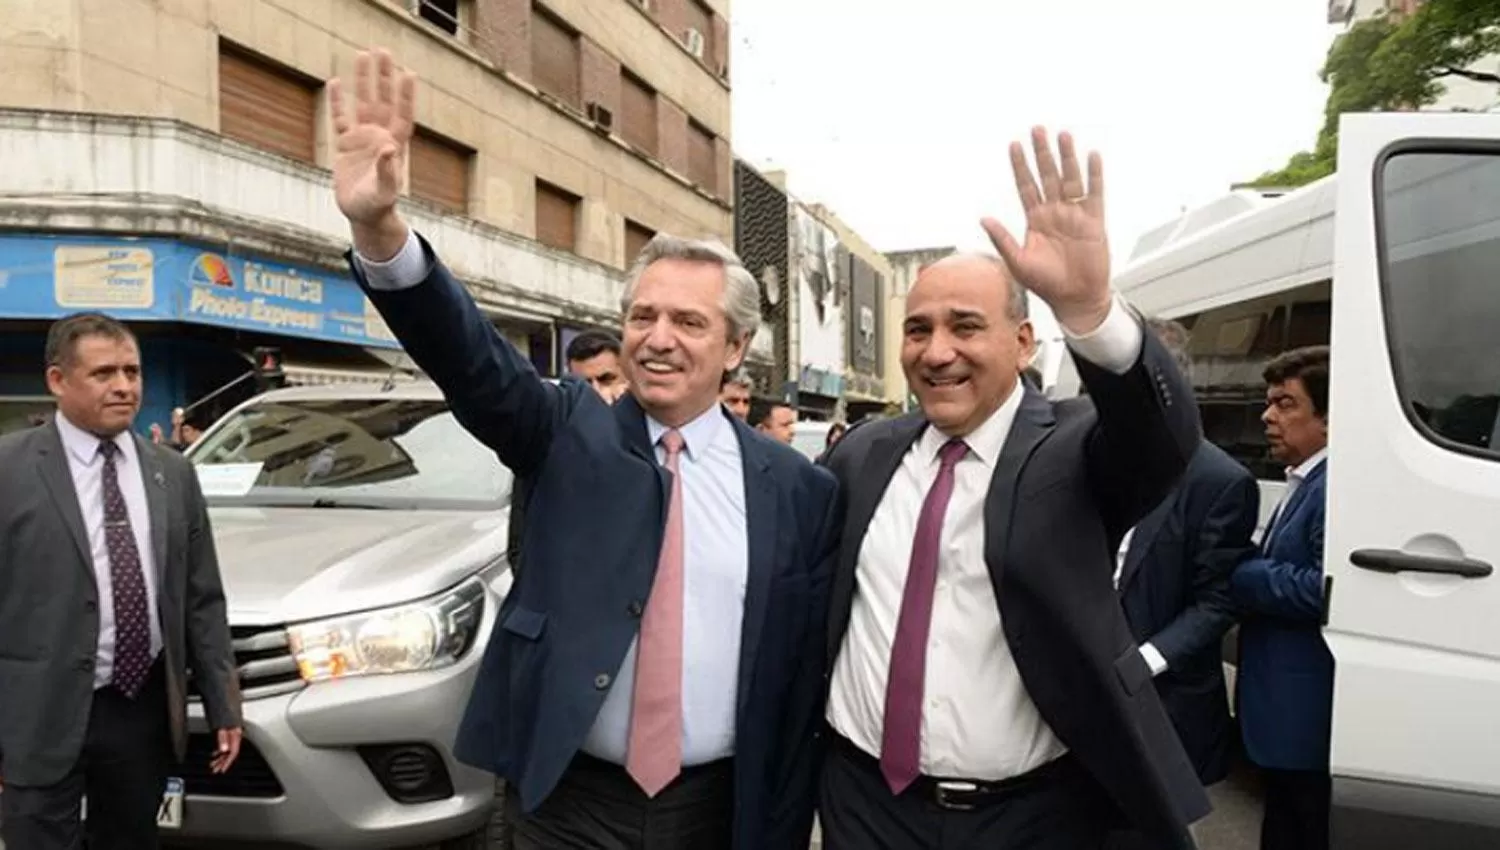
(361, 532)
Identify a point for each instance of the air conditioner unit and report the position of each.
(603, 119)
(694, 42)
(1340, 11)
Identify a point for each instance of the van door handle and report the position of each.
(1396, 561)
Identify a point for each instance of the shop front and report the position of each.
(199, 312)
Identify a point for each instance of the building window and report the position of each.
(702, 166)
(554, 57)
(446, 15)
(698, 19)
(556, 217)
(637, 112)
(440, 171)
(265, 105)
(636, 237)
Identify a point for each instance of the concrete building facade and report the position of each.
(554, 139)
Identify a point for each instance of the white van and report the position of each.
(1404, 283)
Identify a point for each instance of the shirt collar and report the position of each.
(1306, 467)
(985, 441)
(706, 430)
(84, 447)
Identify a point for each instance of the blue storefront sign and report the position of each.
(44, 277)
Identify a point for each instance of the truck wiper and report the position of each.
(349, 503)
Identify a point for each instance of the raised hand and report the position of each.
(372, 137)
(1065, 259)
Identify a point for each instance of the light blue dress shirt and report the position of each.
(715, 569)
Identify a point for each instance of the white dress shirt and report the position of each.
(87, 468)
(1154, 659)
(978, 721)
(715, 570)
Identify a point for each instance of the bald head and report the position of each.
(966, 338)
(987, 270)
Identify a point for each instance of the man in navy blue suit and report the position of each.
(655, 678)
(1285, 682)
(1173, 576)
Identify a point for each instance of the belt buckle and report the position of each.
(947, 791)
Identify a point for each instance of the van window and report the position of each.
(1440, 255)
(1230, 348)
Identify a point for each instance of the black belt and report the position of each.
(962, 794)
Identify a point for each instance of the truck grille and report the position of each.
(263, 657)
(249, 776)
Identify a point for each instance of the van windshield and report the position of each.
(353, 453)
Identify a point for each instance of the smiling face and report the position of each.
(677, 341)
(963, 348)
(98, 383)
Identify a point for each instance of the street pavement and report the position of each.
(1234, 824)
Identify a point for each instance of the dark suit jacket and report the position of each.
(1068, 484)
(1174, 586)
(591, 536)
(49, 621)
(1284, 686)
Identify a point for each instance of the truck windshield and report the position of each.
(349, 453)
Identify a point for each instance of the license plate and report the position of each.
(168, 814)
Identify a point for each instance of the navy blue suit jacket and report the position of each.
(1285, 681)
(591, 536)
(1174, 586)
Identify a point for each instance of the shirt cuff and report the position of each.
(407, 269)
(1154, 659)
(1114, 345)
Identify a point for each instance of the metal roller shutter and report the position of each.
(267, 107)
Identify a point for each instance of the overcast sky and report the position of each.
(897, 113)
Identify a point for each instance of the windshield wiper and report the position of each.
(348, 503)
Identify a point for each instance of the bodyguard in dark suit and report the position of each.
(1174, 585)
(656, 675)
(109, 591)
(1285, 679)
(986, 691)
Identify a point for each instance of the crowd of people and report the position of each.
(990, 623)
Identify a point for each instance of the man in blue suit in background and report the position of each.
(655, 679)
(1285, 683)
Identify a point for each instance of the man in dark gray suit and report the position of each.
(109, 586)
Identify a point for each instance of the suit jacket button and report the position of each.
(635, 608)
(601, 681)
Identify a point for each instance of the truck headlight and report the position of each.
(423, 635)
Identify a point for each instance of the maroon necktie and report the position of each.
(132, 616)
(901, 747)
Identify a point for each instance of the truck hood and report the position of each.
(291, 564)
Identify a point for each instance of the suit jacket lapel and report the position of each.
(1034, 421)
(1141, 539)
(1289, 507)
(632, 421)
(154, 480)
(52, 466)
(761, 511)
(864, 494)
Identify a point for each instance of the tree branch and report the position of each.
(1476, 76)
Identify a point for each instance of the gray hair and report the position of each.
(1175, 337)
(1017, 308)
(741, 292)
(738, 378)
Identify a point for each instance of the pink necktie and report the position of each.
(901, 743)
(654, 752)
